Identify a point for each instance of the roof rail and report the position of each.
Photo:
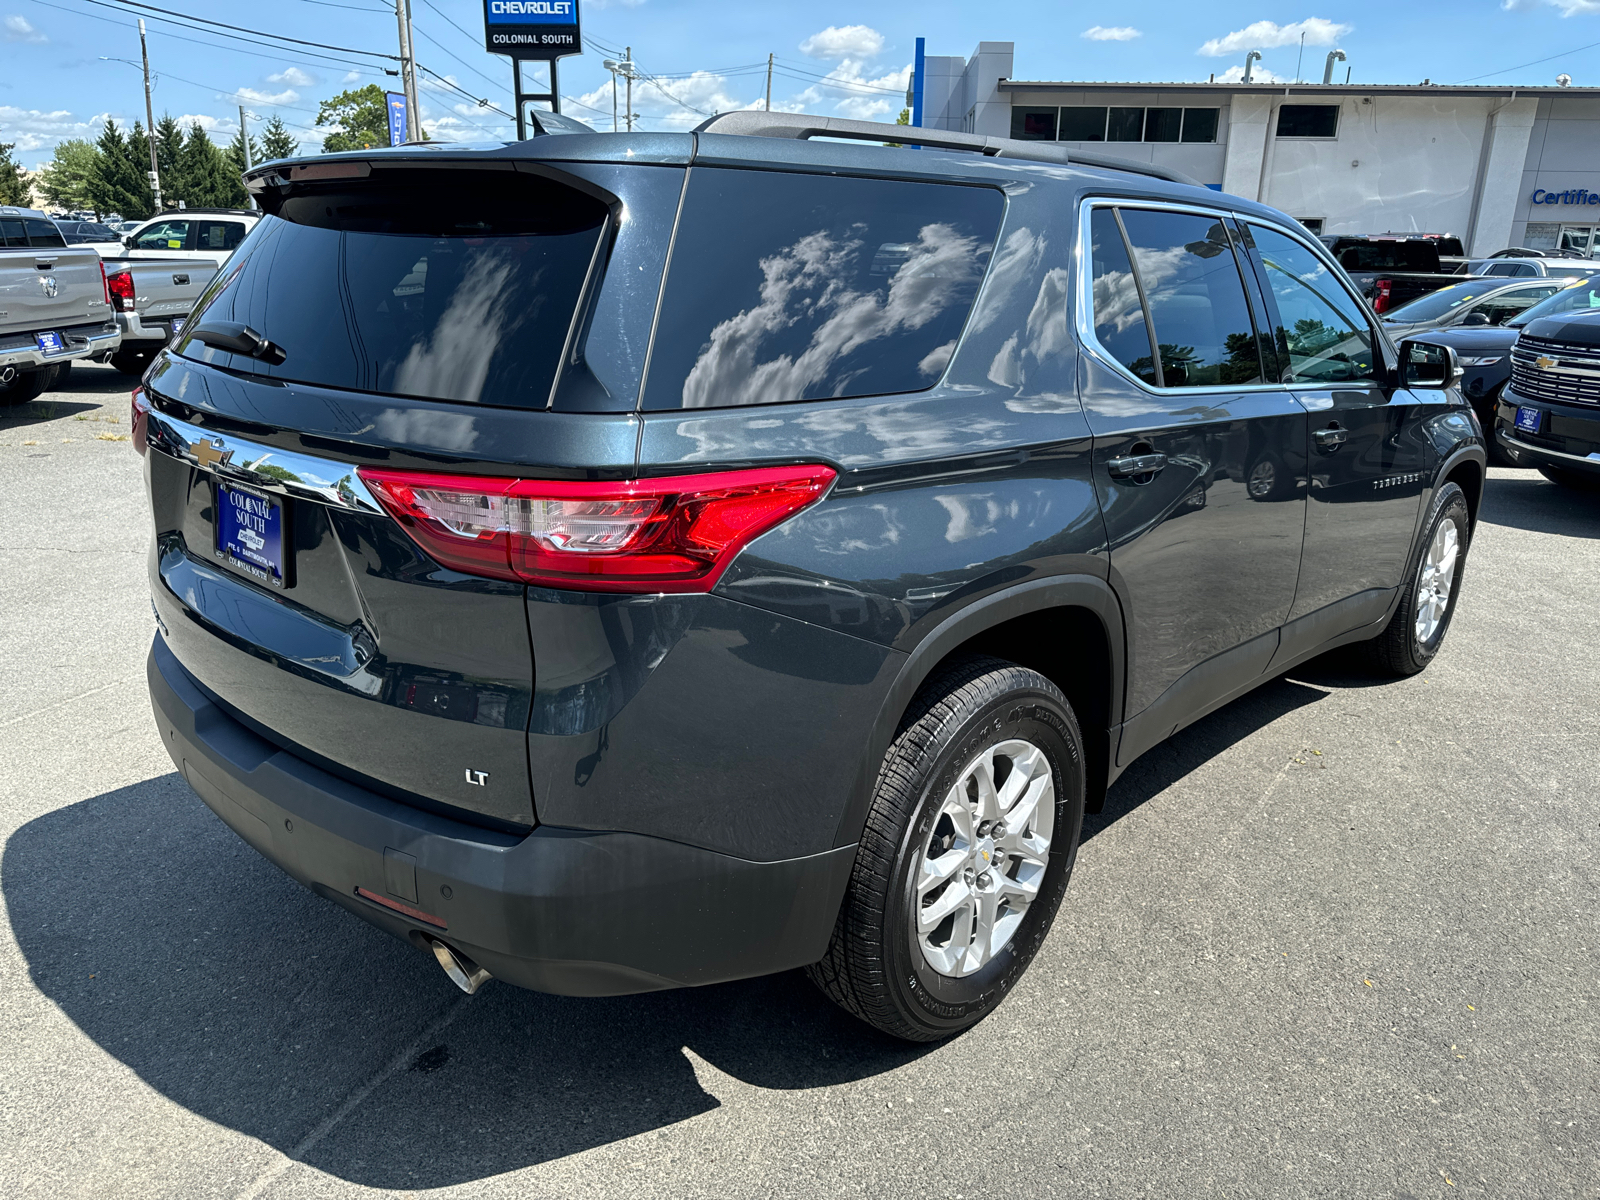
(749, 123)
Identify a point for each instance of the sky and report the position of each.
(66, 65)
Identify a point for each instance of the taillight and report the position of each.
(105, 285)
(675, 534)
(141, 420)
(119, 289)
(1384, 298)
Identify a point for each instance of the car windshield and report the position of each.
(1438, 305)
(1583, 295)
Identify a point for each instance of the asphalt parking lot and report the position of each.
(1341, 938)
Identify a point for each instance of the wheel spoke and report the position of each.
(988, 796)
(935, 871)
(1021, 814)
(954, 897)
(986, 909)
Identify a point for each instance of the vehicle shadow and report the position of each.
(38, 412)
(1527, 500)
(1187, 751)
(255, 1004)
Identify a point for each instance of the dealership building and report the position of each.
(1496, 166)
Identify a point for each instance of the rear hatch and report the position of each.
(429, 319)
(44, 283)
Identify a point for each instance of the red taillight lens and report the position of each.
(1381, 301)
(140, 422)
(645, 535)
(119, 289)
(105, 286)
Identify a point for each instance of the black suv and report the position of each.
(625, 562)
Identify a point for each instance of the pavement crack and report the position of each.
(39, 712)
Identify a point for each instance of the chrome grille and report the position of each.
(1573, 378)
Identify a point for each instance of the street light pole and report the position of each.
(408, 71)
(150, 119)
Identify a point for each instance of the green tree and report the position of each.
(65, 180)
(206, 177)
(14, 189)
(169, 161)
(361, 118)
(120, 183)
(277, 141)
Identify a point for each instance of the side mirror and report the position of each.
(1476, 318)
(1428, 365)
(127, 240)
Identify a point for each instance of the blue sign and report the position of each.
(531, 28)
(397, 118)
(1574, 196)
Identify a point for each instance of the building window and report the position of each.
(1036, 124)
(1163, 124)
(1125, 125)
(1199, 124)
(1080, 124)
(1312, 224)
(1308, 121)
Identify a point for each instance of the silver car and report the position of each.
(1471, 302)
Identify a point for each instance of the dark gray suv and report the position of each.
(626, 562)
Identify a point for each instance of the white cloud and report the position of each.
(293, 76)
(350, 76)
(18, 29)
(1264, 35)
(844, 42)
(32, 129)
(214, 126)
(1569, 8)
(1112, 33)
(1259, 75)
(287, 96)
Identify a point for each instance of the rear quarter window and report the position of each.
(18, 233)
(787, 287)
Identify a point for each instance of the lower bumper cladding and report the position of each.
(573, 912)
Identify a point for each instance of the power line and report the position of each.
(457, 57)
(169, 14)
(1534, 63)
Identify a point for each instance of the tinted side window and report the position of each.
(1119, 324)
(804, 287)
(12, 234)
(1321, 328)
(42, 234)
(218, 235)
(1196, 298)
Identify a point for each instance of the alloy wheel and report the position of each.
(1435, 579)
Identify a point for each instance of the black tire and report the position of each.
(58, 380)
(131, 362)
(1583, 481)
(873, 968)
(1499, 456)
(1398, 651)
(25, 386)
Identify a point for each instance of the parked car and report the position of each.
(1484, 351)
(56, 307)
(1549, 413)
(1528, 268)
(200, 235)
(78, 233)
(810, 646)
(1476, 302)
(152, 298)
(1392, 269)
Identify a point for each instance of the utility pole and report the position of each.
(627, 62)
(408, 71)
(150, 119)
(769, 83)
(244, 132)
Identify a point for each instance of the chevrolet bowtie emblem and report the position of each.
(1545, 363)
(209, 454)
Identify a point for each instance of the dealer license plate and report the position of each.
(177, 326)
(50, 343)
(250, 530)
(1528, 419)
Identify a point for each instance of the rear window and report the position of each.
(1390, 256)
(790, 287)
(17, 233)
(440, 285)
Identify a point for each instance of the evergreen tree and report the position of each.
(235, 156)
(119, 183)
(65, 180)
(361, 116)
(169, 160)
(205, 171)
(14, 189)
(277, 141)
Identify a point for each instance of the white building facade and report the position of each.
(1497, 167)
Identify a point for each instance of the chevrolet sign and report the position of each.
(531, 28)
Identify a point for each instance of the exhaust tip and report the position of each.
(464, 973)
(7, 374)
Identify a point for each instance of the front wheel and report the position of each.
(1428, 600)
(966, 853)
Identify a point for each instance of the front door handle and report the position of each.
(1132, 465)
(1330, 438)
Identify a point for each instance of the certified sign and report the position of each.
(531, 28)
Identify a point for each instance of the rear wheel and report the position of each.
(131, 362)
(1428, 600)
(1583, 481)
(25, 386)
(967, 851)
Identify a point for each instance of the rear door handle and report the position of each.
(1132, 465)
(1328, 439)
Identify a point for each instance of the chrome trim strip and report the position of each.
(1588, 460)
(300, 476)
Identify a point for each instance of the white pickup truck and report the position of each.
(197, 234)
(54, 306)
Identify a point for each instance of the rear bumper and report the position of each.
(30, 358)
(559, 910)
(135, 329)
